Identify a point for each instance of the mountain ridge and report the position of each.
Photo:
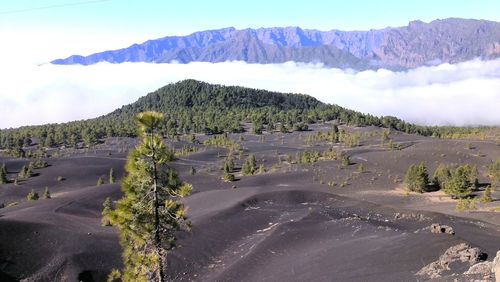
(451, 40)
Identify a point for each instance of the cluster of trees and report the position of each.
(195, 107)
(457, 182)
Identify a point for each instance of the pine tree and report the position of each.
(486, 198)
(105, 212)
(416, 178)
(250, 165)
(46, 193)
(3, 175)
(111, 176)
(25, 172)
(32, 196)
(494, 174)
(100, 181)
(441, 176)
(192, 170)
(461, 183)
(149, 214)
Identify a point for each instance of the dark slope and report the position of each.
(451, 40)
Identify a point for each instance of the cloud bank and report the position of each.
(462, 94)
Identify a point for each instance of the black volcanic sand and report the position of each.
(285, 225)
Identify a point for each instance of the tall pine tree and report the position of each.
(149, 214)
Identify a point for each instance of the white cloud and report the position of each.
(462, 94)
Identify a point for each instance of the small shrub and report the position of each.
(465, 205)
(228, 177)
(486, 198)
(46, 193)
(100, 181)
(105, 212)
(111, 176)
(361, 168)
(32, 196)
(12, 204)
(192, 171)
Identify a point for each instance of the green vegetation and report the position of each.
(250, 166)
(228, 177)
(442, 175)
(346, 160)
(149, 215)
(111, 176)
(106, 212)
(46, 193)
(361, 168)
(39, 163)
(416, 178)
(307, 157)
(196, 107)
(100, 181)
(222, 141)
(25, 172)
(462, 183)
(465, 205)
(3, 175)
(486, 198)
(192, 170)
(494, 174)
(32, 196)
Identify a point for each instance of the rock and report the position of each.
(438, 228)
(495, 266)
(463, 253)
(483, 268)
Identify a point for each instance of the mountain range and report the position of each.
(451, 40)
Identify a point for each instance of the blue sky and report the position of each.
(112, 23)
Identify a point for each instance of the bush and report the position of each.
(3, 175)
(462, 182)
(486, 198)
(416, 178)
(105, 212)
(250, 165)
(192, 171)
(465, 204)
(228, 177)
(32, 196)
(494, 174)
(25, 172)
(100, 181)
(46, 193)
(346, 160)
(111, 176)
(441, 176)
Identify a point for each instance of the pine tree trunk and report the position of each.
(157, 216)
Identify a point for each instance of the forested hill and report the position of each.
(198, 95)
(192, 106)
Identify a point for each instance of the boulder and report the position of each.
(495, 266)
(439, 228)
(461, 253)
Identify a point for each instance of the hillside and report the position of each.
(192, 106)
(450, 40)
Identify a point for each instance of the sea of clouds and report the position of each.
(462, 94)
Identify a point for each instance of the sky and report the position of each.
(36, 32)
(59, 28)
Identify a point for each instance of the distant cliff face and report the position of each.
(442, 41)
